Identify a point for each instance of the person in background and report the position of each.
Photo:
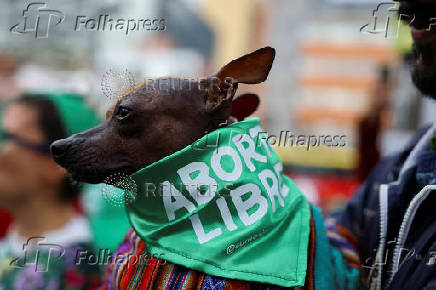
(371, 125)
(41, 247)
(391, 218)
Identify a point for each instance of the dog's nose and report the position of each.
(59, 148)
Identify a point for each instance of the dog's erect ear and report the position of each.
(244, 105)
(251, 68)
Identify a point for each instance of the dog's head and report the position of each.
(157, 118)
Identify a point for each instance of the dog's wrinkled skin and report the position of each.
(153, 121)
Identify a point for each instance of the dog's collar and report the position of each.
(223, 206)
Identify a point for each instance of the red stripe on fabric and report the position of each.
(130, 269)
(239, 285)
(151, 271)
(309, 283)
(170, 278)
(184, 279)
(118, 273)
(200, 281)
(141, 264)
(348, 235)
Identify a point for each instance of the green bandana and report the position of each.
(223, 206)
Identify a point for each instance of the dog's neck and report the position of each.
(219, 123)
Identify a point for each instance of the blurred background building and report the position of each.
(341, 69)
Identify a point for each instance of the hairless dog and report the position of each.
(155, 119)
(207, 241)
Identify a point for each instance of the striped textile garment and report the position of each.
(152, 273)
(138, 270)
(342, 239)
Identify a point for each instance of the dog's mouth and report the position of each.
(98, 176)
(89, 163)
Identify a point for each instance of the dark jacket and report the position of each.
(392, 217)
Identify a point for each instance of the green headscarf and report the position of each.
(76, 114)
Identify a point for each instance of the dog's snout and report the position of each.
(59, 148)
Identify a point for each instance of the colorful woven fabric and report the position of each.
(332, 268)
(342, 239)
(328, 267)
(136, 269)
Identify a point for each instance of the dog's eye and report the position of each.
(122, 113)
